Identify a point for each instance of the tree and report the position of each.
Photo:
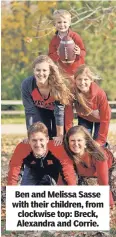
(27, 28)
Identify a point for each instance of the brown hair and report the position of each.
(91, 146)
(57, 82)
(92, 74)
(37, 127)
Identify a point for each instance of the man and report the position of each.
(43, 162)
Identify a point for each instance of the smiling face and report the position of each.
(62, 24)
(83, 82)
(38, 142)
(41, 73)
(77, 143)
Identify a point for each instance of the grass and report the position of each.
(20, 119)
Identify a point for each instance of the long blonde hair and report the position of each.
(91, 147)
(79, 97)
(57, 82)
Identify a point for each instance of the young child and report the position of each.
(91, 105)
(62, 22)
(90, 160)
(44, 95)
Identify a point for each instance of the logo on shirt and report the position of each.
(50, 162)
(33, 162)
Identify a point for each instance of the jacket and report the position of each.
(33, 101)
(89, 167)
(23, 150)
(39, 168)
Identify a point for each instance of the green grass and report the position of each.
(20, 119)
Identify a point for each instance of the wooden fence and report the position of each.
(19, 102)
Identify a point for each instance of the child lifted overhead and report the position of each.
(62, 22)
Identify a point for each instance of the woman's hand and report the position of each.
(58, 140)
(95, 114)
(25, 141)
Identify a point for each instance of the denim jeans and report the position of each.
(90, 126)
(29, 179)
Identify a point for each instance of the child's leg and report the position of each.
(53, 123)
(49, 120)
(85, 123)
(96, 130)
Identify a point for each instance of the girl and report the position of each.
(44, 95)
(91, 105)
(89, 159)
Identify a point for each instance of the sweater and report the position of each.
(33, 101)
(23, 150)
(53, 47)
(97, 100)
(89, 167)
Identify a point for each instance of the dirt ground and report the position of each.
(8, 145)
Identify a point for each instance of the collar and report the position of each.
(69, 33)
(42, 156)
(61, 37)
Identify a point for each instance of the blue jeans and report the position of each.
(28, 178)
(90, 126)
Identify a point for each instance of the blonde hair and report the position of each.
(61, 13)
(92, 74)
(57, 83)
(91, 147)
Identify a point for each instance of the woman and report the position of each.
(91, 105)
(44, 95)
(90, 160)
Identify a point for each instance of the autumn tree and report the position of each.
(27, 28)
